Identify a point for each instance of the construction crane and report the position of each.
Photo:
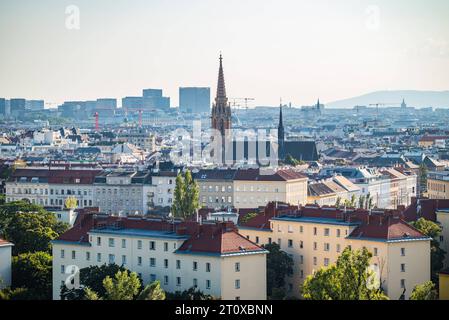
(246, 100)
(382, 104)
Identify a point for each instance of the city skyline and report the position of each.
(119, 49)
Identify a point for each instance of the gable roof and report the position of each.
(255, 175)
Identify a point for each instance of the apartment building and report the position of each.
(5, 263)
(438, 185)
(214, 257)
(142, 139)
(388, 187)
(253, 188)
(51, 187)
(314, 237)
(321, 194)
(161, 192)
(216, 188)
(402, 187)
(121, 192)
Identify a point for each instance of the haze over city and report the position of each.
(296, 50)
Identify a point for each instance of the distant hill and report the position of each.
(417, 99)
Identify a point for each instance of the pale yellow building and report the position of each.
(438, 185)
(315, 237)
(253, 188)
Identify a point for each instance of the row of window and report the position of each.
(52, 191)
(53, 202)
(152, 261)
(217, 199)
(153, 277)
(216, 188)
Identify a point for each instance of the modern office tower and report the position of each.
(35, 105)
(106, 103)
(106, 107)
(90, 108)
(17, 106)
(2, 107)
(132, 103)
(73, 109)
(153, 99)
(194, 100)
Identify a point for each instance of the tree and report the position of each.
(279, 265)
(186, 198)
(362, 202)
(91, 277)
(178, 197)
(152, 291)
(8, 210)
(126, 285)
(31, 231)
(248, 217)
(71, 203)
(190, 294)
(338, 203)
(348, 279)
(425, 291)
(191, 195)
(15, 294)
(423, 170)
(437, 255)
(33, 272)
(353, 201)
(29, 226)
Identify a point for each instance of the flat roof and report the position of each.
(140, 233)
(317, 220)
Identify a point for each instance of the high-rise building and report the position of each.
(35, 105)
(194, 100)
(2, 107)
(17, 106)
(106, 107)
(153, 99)
(221, 110)
(132, 103)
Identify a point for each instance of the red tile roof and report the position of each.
(220, 238)
(433, 138)
(425, 208)
(386, 228)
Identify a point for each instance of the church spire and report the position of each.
(221, 111)
(281, 135)
(221, 88)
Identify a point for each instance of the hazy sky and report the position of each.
(294, 49)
